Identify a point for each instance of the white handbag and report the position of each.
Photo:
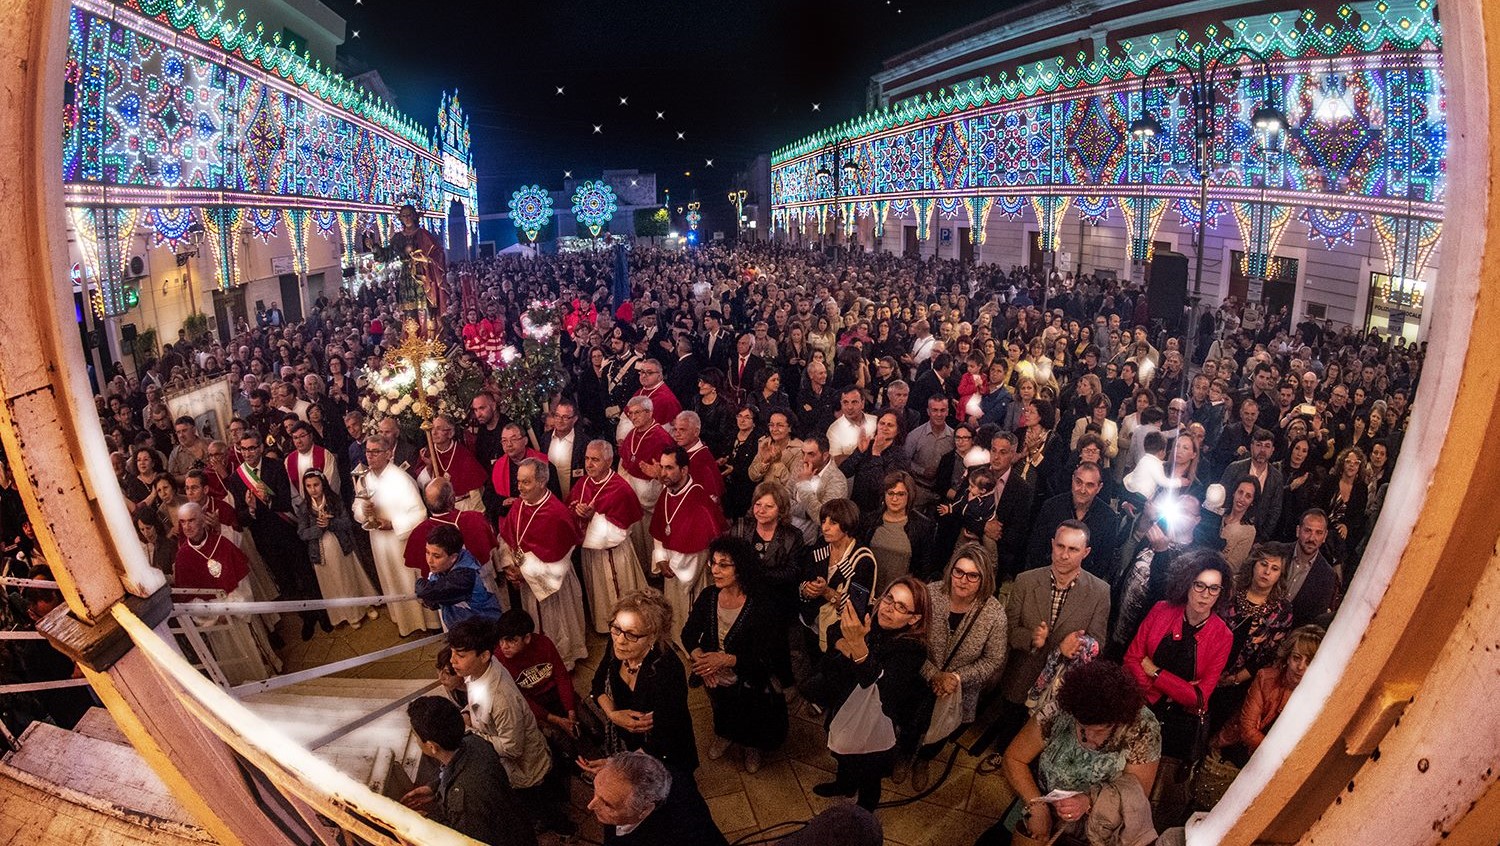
(861, 726)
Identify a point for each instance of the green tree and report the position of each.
(651, 223)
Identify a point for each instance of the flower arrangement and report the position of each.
(410, 393)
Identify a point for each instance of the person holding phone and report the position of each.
(839, 571)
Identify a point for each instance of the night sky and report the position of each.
(737, 79)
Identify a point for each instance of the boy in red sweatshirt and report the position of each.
(534, 662)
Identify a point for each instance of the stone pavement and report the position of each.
(744, 805)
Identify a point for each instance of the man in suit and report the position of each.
(1083, 503)
(717, 347)
(745, 367)
(262, 497)
(683, 380)
(564, 446)
(1005, 533)
(1266, 510)
(1049, 609)
(639, 802)
(1312, 586)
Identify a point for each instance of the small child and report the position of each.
(972, 384)
(975, 509)
(453, 587)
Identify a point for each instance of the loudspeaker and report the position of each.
(1166, 295)
(127, 333)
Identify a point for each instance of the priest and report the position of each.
(388, 505)
(452, 460)
(537, 539)
(686, 520)
(211, 563)
(605, 508)
(687, 432)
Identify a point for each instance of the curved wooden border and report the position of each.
(1416, 638)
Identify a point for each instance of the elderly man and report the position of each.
(816, 482)
(639, 802)
(687, 431)
(606, 508)
(537, 539)
(479, 538)
(685, 521)
(503, 476)
(388, 505)
(853, 423)
(639, 452)
(665, 406)
(451, 460)
(209, 562)
(307, 455)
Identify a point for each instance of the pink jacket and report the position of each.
(1214, 643)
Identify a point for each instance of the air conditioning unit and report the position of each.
(137, 265)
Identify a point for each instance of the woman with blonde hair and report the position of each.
(641, 685)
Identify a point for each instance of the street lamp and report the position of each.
(1203, 94)
(841, 170)
(195, 235)
(738, 198)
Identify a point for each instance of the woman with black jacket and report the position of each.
(880, 654)
(900, 536)
(780, 548)
(641, 686)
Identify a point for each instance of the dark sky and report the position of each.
(737, 79)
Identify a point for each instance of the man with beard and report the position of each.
(1312, 586)
(307, 455)
(686, 519)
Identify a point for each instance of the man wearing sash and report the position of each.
(685, 521)
(687, 431)
(309, 456)
(452, 460)
(606, 508)
(388, 505)
(538, 536)
(479, 538)
(263, 500)
(639, 451)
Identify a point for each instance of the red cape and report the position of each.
(461, 468)
(479, 538)
(549, 530)
(664, 404)
(616, 501)
(191, 567)
(501, 474)
(704, 469)
(695, 519)
(638, 447)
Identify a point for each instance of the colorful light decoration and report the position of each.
(530, 210)
(594, 205)
(694, 217)
(104, 236)
(1362, 91)
(223, 225)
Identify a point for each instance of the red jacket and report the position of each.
(1214, 643)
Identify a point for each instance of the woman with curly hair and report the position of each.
(1097, 740)
(641, 686)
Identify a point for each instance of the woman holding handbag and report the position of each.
(966, 648)
(730, 636)
(871, 685)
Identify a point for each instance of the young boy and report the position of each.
(498, 713)
(471, 794)
(453, 587)
(534, 662)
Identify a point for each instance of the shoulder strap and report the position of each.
(969, 620)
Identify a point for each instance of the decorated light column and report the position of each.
(530, 210)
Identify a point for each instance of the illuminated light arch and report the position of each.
(594, 205)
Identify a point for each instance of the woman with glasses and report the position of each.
(641, 686)
(871, 685)
(898, 534)
(730, 637)
(1179, 654)
(966, 643)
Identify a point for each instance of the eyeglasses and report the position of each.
(627, 636)
(896, 492)
(887, 600)
(965, 575)
(1210, 590)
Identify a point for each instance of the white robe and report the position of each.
(393, 496)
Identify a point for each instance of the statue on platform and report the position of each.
(424, 264)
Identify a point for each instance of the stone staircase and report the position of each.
(89, 785)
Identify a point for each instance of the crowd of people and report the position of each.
(912, 496)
